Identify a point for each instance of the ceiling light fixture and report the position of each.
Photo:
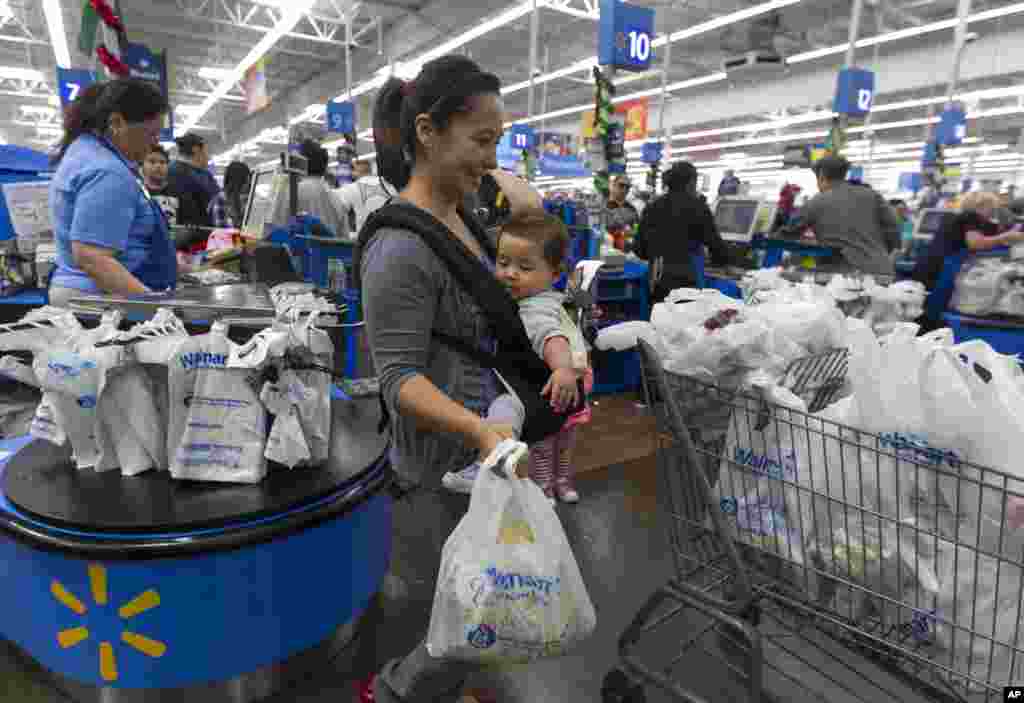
(58, 37)
(291, 15)
(22, 74)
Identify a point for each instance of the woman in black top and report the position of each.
(673, 228)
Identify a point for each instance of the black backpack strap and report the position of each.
(524, 371)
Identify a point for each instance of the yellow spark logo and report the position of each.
(136, 606)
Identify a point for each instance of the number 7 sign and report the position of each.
(71, 82)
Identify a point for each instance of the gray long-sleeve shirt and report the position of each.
(408, 293)
(857, 221)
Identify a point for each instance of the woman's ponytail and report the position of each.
(80, 117)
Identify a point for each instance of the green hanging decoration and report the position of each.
(835, 144)
(604, 90)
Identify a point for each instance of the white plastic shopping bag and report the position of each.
(509, 588)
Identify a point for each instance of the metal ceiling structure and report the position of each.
(306, 67)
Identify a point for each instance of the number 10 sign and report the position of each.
(625, 33)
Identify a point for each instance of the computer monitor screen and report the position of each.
(735, 218)
(932, 222)
(262, 198)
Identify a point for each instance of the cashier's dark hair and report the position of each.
(90, 113)
(442, 89)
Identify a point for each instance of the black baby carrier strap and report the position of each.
(517, 363)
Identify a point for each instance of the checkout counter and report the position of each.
(149, 589)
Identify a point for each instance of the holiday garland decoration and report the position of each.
(604, 90)
(95, 13)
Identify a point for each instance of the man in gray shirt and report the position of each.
(852, 218)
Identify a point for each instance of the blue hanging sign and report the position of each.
(855, 92)
(561, 166)
(148, 66)
(341, 117)
(522, 137)
(71, 82)
(911, 182)
(625, 36)
(952, 127)
(651, 152)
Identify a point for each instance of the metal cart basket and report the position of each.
(791, 572)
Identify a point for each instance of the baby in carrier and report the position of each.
(531, 255)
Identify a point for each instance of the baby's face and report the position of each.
(522, 267)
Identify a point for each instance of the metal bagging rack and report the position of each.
(791, 573)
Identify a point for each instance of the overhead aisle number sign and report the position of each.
(855, 92)
(625, 33)
(341, 117)
(522, 137)
(71, 82)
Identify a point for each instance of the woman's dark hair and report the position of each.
(237, 178)
(680, 176)
(317, 157)
(442, 89)
(90, 113)
(188, 143)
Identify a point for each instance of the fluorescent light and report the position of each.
(58, 38)
(22, 74)
(216, 74)
(291, 15)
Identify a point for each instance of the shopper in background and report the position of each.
(974, 228)
(154, 172)
(235, 196)
(315, 197)
(112, 237)
(364, 196)
(622, 214)
(730, 184)
(855, 220)
(673, 229)
(436, 138)
(191, 182)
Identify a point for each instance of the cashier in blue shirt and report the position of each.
(111, 234)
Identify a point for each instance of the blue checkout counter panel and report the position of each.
(147, 584)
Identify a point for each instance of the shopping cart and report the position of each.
(795, 621)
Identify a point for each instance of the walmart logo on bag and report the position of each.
(69, 365)
(915, 448)
(203, 360)
(782, 467)
(508, 581)
(482, 636)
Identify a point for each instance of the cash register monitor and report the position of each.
(262, 197)
(931, 222)
(736, 218)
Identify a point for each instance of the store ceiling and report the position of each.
(219, 33)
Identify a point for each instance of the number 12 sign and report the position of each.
(625, 33)
(71, 82)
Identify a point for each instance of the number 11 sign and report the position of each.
(625, 33)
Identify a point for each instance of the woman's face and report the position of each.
(134, 139)
(458, 157)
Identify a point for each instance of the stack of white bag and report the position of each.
(509, 589)
(705, 334)
(893, 506)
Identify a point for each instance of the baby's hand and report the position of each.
(562, 390)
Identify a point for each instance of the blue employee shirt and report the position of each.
(96, 198)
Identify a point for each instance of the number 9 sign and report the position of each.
(341, 117)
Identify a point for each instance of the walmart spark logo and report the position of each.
(140, 604)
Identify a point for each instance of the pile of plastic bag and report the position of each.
(708, 335)
(897, 516)
(988, 286)
(155, 398)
